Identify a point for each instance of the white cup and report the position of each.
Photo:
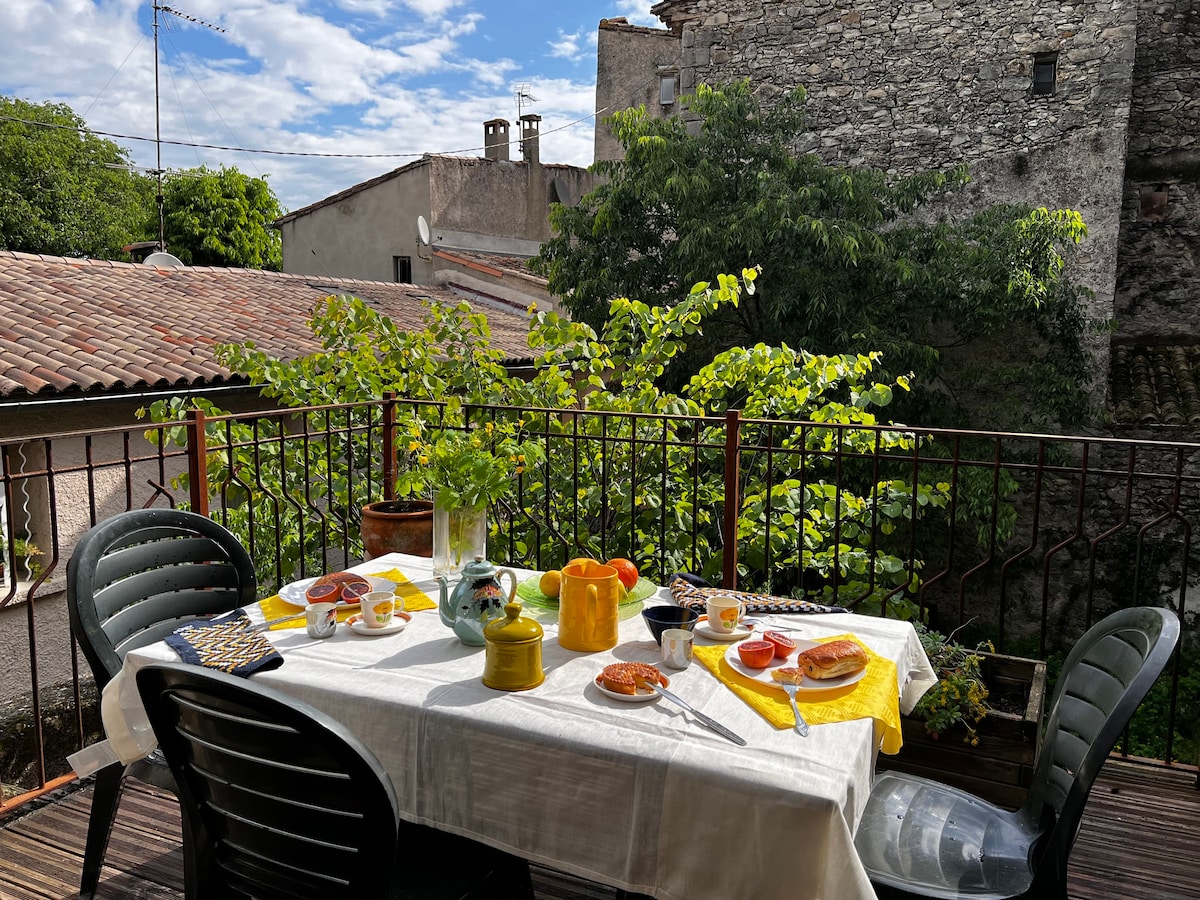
(320, 619)
(378, 608)
(677, 648)
(724, 613)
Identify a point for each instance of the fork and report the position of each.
(801, 726)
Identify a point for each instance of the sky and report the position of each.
(355, 77)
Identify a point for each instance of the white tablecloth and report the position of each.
(634, 795)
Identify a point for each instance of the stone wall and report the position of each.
(1158, 280)
(629, 60)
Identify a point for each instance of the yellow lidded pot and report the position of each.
(513, 660)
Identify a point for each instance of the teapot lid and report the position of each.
(513, 628)
(478, 568)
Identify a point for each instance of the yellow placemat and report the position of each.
(415, 600)
(873, 697)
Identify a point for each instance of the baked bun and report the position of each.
(832, 660)
(788, 675)
(625, 678)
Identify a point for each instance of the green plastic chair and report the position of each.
(921, 838)
(132, 580)
(281, 802)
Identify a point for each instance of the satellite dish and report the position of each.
(423, 230)
(163, 260)
(563, 191)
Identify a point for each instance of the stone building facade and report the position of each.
(490, 205)
(1087, 105)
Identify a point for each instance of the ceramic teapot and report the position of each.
(477, 599)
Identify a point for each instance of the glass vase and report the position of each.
(459, 535)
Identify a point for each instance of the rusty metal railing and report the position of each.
(1021, 539)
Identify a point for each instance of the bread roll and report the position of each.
(832, 660)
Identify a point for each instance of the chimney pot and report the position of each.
(495, 139)
(530, 125)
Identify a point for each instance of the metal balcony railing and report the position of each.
(1023, 540)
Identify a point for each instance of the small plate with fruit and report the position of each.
(543, 589)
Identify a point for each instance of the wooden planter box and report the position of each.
(1000, 767)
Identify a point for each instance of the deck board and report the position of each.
(1138, 842)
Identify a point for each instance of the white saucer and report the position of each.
(399, 621)
(738, 634)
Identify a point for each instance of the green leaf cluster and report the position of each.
(589, 455)
(222, 218)
(64, 191)
(980, 307)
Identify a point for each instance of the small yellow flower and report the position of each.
(520, 459)
(424, 460)
(488, 427)
(520, 469)
(413, 446)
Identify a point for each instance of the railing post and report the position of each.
(389, 445)
(197, 454)
(733, 500)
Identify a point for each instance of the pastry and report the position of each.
(342, 578)
(832, 660)
(788, 675)
(624, 678)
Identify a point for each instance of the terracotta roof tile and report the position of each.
(1155, 383)
(94, 325)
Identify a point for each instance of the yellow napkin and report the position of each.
(415, 599)
(873, 697)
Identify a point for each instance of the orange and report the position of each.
(626, 571)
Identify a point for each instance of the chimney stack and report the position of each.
(529, 138)
(495, 139)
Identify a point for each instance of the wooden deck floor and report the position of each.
(1139, 841)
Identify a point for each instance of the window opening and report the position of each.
(402, 267)
(1045, 74)
(666, 89)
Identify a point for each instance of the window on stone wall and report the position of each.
(402, 266)
(1045, 73)
(666, 89)
(1154, 202)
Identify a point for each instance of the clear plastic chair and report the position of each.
(281, 802)
(132, 580)
(921, 838)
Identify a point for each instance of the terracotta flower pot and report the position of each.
(398, 526)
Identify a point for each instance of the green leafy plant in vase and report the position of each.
(464, 470)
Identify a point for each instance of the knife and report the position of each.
(711, 723)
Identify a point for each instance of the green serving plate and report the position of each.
(528, 591)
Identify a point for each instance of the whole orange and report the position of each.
(627, 572)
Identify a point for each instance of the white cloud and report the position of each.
(566, 46)
(638, 12)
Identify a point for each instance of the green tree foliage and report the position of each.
(64, 191)
(854, 260)
(625, 468)
(222, 218)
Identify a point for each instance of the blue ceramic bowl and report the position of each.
(660, 618)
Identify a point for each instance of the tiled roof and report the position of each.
(1155, 383)
(504, 263)
(71, 325)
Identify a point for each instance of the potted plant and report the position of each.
(979, 727)
(464, 470)
(26, 564)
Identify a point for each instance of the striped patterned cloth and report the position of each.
(229, 643)
(693, 592)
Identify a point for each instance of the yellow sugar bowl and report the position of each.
(513, 654)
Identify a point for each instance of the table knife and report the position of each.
(710, 722)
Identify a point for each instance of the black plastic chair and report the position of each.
(131, 581)
(281, 801)
(921, 838)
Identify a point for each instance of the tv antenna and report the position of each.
(158, 169)
(523, 97)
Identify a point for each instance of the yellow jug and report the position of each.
(587, 606)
